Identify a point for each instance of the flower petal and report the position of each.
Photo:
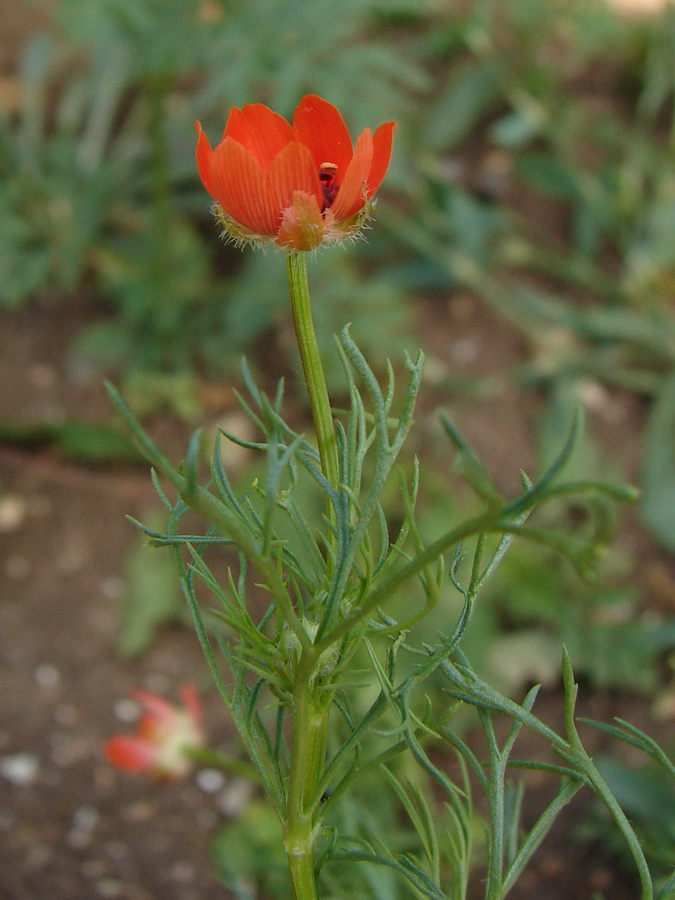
(204, 154)
(350, 196)
(239, 186)
(131, 754)
(158, 707)
(319, 126)
(263, 132)
(383, 140)
(292, 170)
(267, 176)
(192, 702)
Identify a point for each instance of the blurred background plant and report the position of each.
(100, 156)
(534, 173)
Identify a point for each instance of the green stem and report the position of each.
(493, 889)
(307, 757)
(484, 696)
(312, 365)
(208, 757)
(386, 585)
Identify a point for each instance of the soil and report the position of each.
(71, 827)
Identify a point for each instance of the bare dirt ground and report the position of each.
(71, 826)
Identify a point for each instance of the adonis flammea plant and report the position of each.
(343, 599)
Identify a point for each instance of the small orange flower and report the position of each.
(296, 185)
(163, 734)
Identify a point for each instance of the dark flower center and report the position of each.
(327, 175)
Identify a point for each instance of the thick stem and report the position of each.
(312, 365)
(310, 711)
(308, 751)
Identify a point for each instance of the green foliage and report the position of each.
(596, 184)
(659, 467)
(68, 172)
(282, 49)
(327, 596)
(103, 178)
(94, 161)
(375, 305)
(248, 855)
(153, 40)
(608, 641)
(249, 858)
(151, 599)
(648, 796)
(101, 159)
(510, 181)
(80, 442)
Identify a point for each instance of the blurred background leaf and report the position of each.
(152, 594)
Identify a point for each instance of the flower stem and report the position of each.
(312, 365)
(307, 758)
(310, 710)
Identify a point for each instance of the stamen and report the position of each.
(327, 175)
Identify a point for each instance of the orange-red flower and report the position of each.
(296, 185)
(163, 735)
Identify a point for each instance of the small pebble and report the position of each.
(464, 350)
(109, 887)
(47, 676)
(12, 512)
(235, 797)
(183, 872)
(81, 833)
(210, 780)
(20, 769)
(126, 710)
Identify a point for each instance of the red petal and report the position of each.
(204, 154)
(383, 140)
(192, 702)
(131, 754)
(350, 196)
(263, 132)
(158, 707)
(319, 126)
(292, 170)
(240, 187)
(154, 730)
